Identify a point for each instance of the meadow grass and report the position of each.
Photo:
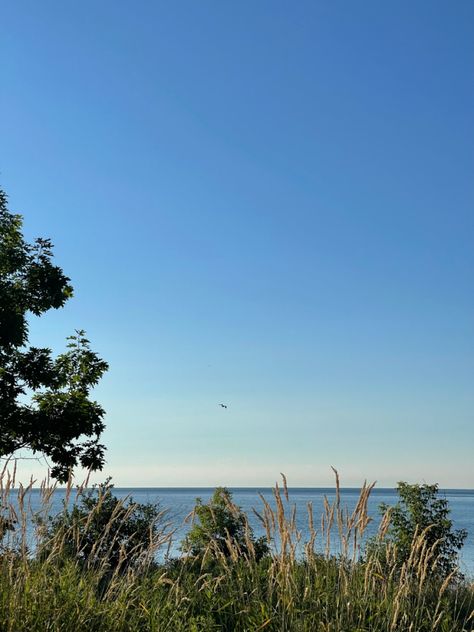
(300, 587)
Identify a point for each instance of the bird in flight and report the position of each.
(223, 405)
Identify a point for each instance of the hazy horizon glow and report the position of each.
(265, 205)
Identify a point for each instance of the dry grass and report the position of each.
(301, 586)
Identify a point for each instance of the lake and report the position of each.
(180, 501)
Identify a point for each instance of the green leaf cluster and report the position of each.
(420, 510)
(44, 401)
(222, 528)
(103, 531)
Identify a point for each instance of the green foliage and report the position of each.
(44, 402)
(67, 589)
(103, 531)
(222, 528)
(6, 524)
(244, 597)
(420, 509)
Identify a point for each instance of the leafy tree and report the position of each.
(102, 530)
(44, 402)
(222, 527)
(420, 507)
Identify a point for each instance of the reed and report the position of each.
(326, 583)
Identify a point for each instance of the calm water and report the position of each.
(180, 501)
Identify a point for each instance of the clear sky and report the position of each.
(266, 204)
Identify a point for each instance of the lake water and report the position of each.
(180, 501)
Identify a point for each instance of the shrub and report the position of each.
(104, 531)
(222, 528)
(421, 512)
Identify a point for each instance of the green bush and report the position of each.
(420, 512)
(222, 529)
(104, 531)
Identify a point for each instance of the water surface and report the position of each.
(179, 502)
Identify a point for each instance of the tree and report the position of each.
(419, 509)
(222, 528)
(103, 531)
(44, 402)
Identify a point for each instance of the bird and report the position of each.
(223, 405)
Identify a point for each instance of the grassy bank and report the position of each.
(298, 587)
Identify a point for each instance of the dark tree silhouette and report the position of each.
(44, 401)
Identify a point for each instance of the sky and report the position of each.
(263, 204)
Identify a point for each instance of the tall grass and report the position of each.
(321, 584)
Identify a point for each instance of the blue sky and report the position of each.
(265, 204)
